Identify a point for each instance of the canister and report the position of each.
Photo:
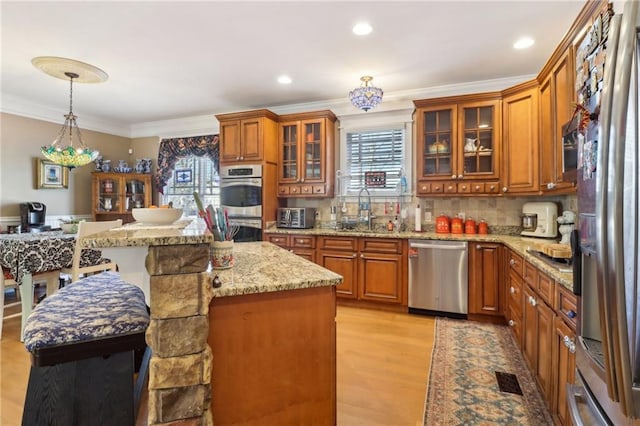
(470, 226)
(442, 224)
(457, 225)
(483, 227)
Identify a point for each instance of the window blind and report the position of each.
(375, 151)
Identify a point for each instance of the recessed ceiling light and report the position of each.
(284, 79)
(362, 28)
(523, 43)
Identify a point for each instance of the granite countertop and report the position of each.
(517, 243)
(140, 235)
(262, 267)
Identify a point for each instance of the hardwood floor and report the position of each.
(382, 368)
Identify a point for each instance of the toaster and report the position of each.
(296, 217)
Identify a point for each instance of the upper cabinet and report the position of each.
(520, 139)
(248, 137)
(459, 144)
(306, 154)
(115, 195)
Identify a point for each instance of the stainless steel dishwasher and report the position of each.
(438, 277)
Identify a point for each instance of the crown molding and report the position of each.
(207, 124)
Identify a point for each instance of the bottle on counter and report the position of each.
(390, 226)
(396, 224)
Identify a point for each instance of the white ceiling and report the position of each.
(175, 60)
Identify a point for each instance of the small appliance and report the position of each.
(539, 219)
(32, 217)
(296, 217)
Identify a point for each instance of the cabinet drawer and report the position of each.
(567, 306)
(515, 291)
(279, 240)
(302, 241)
(437, 188)
(424, 188)
(530, 275)
(294, 190)
(546, 288)
(283, 190)
(450, 188)
(477, 188)
(516, 263)
(515, 322)
(338, 243)
(306, 189)
(319, 189)
(491, 188)
(380, 245)
(464, 188)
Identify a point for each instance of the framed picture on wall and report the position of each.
(50, 175)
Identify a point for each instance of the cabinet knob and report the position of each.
(477, 188)
(571, 314)
(354, 255)
(505, 189)
(551, 185)
(450, 188)
(302, 180)
(533, 301)
(512, 262)
(300, 241)
(512, 290)
(460, 176)
(453, 176)
(464, 187)
(512, 323)
(492, 187)
(362, 256)
(241, 157)
(478, 247)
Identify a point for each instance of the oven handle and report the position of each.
(226, 183)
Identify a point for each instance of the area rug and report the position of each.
(479, 377)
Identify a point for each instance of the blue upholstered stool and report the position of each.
(82, 342)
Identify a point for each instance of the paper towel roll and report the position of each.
(418, 218)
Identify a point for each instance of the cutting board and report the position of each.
(559, 251)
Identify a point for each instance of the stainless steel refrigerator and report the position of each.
(607, 389)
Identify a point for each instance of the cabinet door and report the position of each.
(345, 264)
(544, 349)
(230, 140)
(520, 142)
(437, 131)
(380, 277)
(109, 189)
(530, 335)
(478, 148)
(485, 289)
(288, 152)
(564, 364)
(312, 160)
(251, 139)
(136, 193)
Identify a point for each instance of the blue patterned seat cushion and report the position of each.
(94, 307)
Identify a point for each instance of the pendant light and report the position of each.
(366, 97)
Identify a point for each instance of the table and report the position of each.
(24, 255)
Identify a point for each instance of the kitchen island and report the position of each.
(262, 345)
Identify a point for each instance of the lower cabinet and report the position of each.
(486, 296)
(564, 358)
(374, 269)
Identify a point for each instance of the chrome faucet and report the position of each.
(361, 208)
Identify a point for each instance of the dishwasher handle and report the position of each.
(462, 245)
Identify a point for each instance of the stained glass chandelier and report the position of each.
(366, 97)
(64, 150)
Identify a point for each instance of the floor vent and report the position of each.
(508, 382)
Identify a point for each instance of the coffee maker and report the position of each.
(539, 220)
(32, 217)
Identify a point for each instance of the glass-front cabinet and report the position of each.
(114, 195)
(458, 144)
(306, 154)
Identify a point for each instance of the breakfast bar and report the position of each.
(261, 345)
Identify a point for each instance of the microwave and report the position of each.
(296, 217)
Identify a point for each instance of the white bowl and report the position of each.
(157, 216)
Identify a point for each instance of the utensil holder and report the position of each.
(221, 254)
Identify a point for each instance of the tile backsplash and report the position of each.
(496, 211)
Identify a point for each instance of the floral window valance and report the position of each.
(171, 150)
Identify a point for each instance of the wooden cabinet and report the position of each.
(306, 154)
(514, 273)
(459, 143)
(114, 195)
(538, 337)
(486, 295)
(564, 347)
(374, 269)
(248, 137)
(302, 245)
(520, 140)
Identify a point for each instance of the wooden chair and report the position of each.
(52, 278)
(77, 267)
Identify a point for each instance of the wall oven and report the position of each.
(241, 197)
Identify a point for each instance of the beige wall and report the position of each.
(147, 148)
(20, 142)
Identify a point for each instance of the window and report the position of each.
(375, 159)
(190, 174)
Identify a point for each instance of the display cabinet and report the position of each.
(114, 195)
(306, 155)
(459, 144)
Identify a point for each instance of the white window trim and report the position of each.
(371, 122)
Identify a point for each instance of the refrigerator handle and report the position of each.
(619, 109)
(604, 177)
(576, 262)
